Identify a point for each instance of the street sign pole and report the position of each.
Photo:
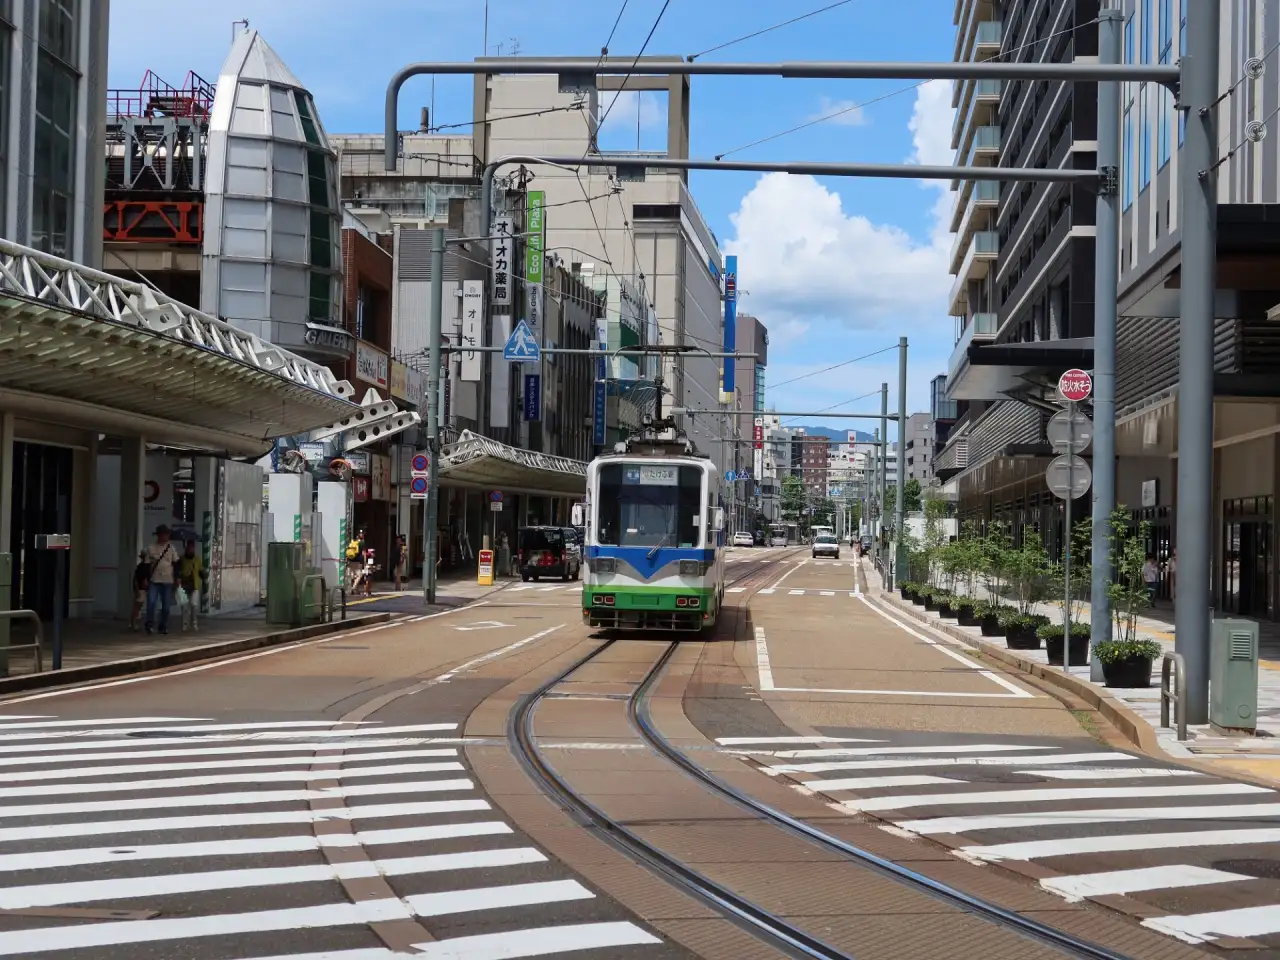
(1066, 539)
(1069, 433)
(429, 546)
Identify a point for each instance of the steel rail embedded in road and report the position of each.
(638, 713)
(768, 927)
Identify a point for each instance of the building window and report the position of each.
(1126, 149)
(1164, 99)
(1144, 135)
(6, 38)
(53, 185)
(58, 29)
(759, 396)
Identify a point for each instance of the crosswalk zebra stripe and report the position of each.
(877, 783)
(1243, 922)
(906, 751)
(1076, 818)
(1051, 759)
(263, 731)
(740, 741)
(45, 722)
(1174, 877)
(81, 772)
(1119, 843)
(372, 811)
(216, 780)
(193, 748)
(32, 942)
(228, 847)
(1111, 773)
(169, 884)
(1042, 796)
(510, 945)
(233, 799)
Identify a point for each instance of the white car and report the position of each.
(825, 545)
(778, 540)
(743, 539)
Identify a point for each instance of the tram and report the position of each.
(655, 543)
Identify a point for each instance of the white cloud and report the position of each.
(649, 108)
(811, 261)
(842, 113)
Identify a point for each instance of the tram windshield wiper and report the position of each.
(659, 545)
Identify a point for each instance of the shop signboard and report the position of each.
(372, 365)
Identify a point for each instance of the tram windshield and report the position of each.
(649, 505)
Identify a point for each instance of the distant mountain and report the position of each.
(831, 433)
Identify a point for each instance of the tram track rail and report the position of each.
(767, 926)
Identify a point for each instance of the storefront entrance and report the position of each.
(1247, 557)
(41, 504)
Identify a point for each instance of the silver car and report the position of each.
(826, 545)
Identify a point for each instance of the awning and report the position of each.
(83, 347)
(482, 463)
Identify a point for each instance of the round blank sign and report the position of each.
(1069, 432)
(1068, 474)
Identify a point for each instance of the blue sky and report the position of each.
(836, 268)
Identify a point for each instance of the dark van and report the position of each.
(549, 552)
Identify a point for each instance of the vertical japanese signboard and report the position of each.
(730, 322)
(502, 249)
(757, 439)
(599, 411)
(472, 328)
(534, 259)
(532, 397)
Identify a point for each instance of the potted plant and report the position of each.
(1127, 663)
(1077, 649)
(994, 562)
(987, 613)
(934, 597)
(1020, 630)
(906, 589)
(966, 611)
(920, 594)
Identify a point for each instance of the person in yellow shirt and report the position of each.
(191, 575)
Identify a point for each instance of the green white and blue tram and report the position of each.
(655, 538)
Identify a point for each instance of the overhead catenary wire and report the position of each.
(760, 33)
(834, 366)
(644, 46)
(891, 94)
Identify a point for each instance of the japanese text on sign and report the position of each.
(503, 245)
(472, 328)
(1075, 385)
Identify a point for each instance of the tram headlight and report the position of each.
(693, 568)
(604, 565)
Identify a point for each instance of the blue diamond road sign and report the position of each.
(522, 346)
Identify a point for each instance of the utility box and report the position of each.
(1233, 676)
(286, 566)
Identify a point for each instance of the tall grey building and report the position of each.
(53, 94)
(919, 448)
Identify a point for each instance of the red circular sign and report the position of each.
(1075, 385)
(420, 462)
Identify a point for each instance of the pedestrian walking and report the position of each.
(191, 575)
(401, 560)
(141, 580)
(1151, 577)
(162, 558)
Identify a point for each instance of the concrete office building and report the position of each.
(649, 232)
(919, 449)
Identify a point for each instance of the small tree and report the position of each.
(1030, 572)
(996, 560)
(793, 497)
(935, 535)
(1125, 588)
(911, 496)
(1081, 569)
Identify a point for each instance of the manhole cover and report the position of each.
(1262, 869)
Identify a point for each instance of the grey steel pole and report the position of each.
(884, 467)
(876, 493)
(1105, 292)
(429, 545)
(1195, 508)
(1066, 540)
(900, 509)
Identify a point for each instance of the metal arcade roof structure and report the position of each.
(481, 463)
(88, 348)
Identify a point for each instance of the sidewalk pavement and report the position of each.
(1258, 756)
(98, 641)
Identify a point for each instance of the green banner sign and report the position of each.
(535, 226)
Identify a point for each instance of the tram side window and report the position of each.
(649, 506)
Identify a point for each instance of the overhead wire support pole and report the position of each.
(1106, 290)
(884, 469)
(1198, 219)
(429, 545)
(788, 413)
(899, 507)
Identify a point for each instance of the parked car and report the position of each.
(549, 552)
(866, 544)
(826, 545)
(778, 540)
(743, 539)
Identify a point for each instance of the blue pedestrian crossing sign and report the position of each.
(522, 346)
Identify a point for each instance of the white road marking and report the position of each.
(492, 655)
(111, 828)
(168, 884)
(876, 783)
(891, 751)
(80, 771)
(1052, 759)
(766, 590)
(192, 749)
(294, 843)
(1123, 843)
(1042, 796)
(1014, 689)
(39, 940)
(234, 799)
(737, 741)
(86, 739)
(258, 776)
(785, 575)
(1204, 927)
(827, 593)
(1073, 818)
(1111, 773)
(1174, 877)
(5, 728)
(762, 661)
(736, 590)
(795, 593)
(538, 942)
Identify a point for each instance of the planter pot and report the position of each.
(991, 626)
(1079, 652)
(966, 617)
(918, 600)
(1021, 638)
(947, 611)
(930, 603)
(1135, 672)
(905, 593)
